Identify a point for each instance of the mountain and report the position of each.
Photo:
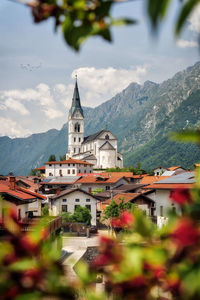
(141, 117)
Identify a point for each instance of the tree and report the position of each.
(45, 211)
(81, 19)
(35, 172)
(62, 157)
(82, 215)
(113, 210)
(52, 157)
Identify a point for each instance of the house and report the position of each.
(99, 148)
(142, 201)
(159, 170)
(23, 200)
(69, 167)
(91, 183)
(163, 188)
(69, 199)
(173, 171)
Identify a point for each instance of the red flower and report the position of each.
(185, 233)
(181, 196)
(126, 219)
(28, 244)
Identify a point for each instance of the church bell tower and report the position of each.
(75, 124)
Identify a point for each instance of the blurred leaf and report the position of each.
(23, 265)
(157, 10)
(29, 296)
(184, 14)
(187, 136)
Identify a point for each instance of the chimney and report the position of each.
(12, 182)
(58, 191)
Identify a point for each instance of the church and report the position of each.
(100, 148)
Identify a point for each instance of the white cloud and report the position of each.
(17, 106)
(99, 85)
(194, 19)
(186, 44)
(12, 128)
(41, 95)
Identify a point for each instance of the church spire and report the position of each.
(76, 103)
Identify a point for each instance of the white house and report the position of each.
(158, 171)
(69, 199)
(163, 188)
(69, 167)
(99, 149)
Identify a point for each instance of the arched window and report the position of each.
(77, 127)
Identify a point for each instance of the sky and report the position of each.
(37, 68)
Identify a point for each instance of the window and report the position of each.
(76, 206)
(73, 165)
(87, 200)
(60, 172)
(64, 200)
(68, 171)
(161, 211)
(60, 165)
(68, 165)
(79, 140)
(79, 171)
(64, 208)
(107, 137)
(74, 139)
(84, 171)
(73, 171)
(77, 200)
(88, 207)
(74, 150)
(90, 171)
(50, 165)
(77, 127)
(107, 187)
(50, 174)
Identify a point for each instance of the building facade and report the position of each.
(100, 148)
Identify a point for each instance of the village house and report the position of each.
(159, 170)
(26, 202)
(69, 167)
(163, 189)
(69, 199)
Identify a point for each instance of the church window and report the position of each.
(79, 139)
(74, 139)
(74, 150)
(107, 137)
(79, 149)
(77, 127)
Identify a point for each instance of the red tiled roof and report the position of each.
(96, 179)
(152, 179)
(20, 193)
(170, 186)
(173, 168)
(40, 168)
(126, 197)
(125, 174)
(69, 161)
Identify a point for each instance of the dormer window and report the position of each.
(107, 137)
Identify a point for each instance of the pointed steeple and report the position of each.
(76, 103)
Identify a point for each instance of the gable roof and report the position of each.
(72, 190)
(94, 136)
(151, 179)
(107, 146)
(127, 197)
(90, 157)
(174, 168)
(100, 179)
(21, 195)
(69, 161)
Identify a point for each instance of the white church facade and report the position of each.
(100, 148)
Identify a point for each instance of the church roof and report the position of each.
(76, 103)
(106, 146)
(90, 157)
(94, 136)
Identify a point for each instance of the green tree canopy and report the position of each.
(52, 157)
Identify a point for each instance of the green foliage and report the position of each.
(96, 191)
(34, 172)
(82, 215)
(113, 210)
(82, 19)
(52, 157)
(62, 157)
(67, 217)
(45, 210)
